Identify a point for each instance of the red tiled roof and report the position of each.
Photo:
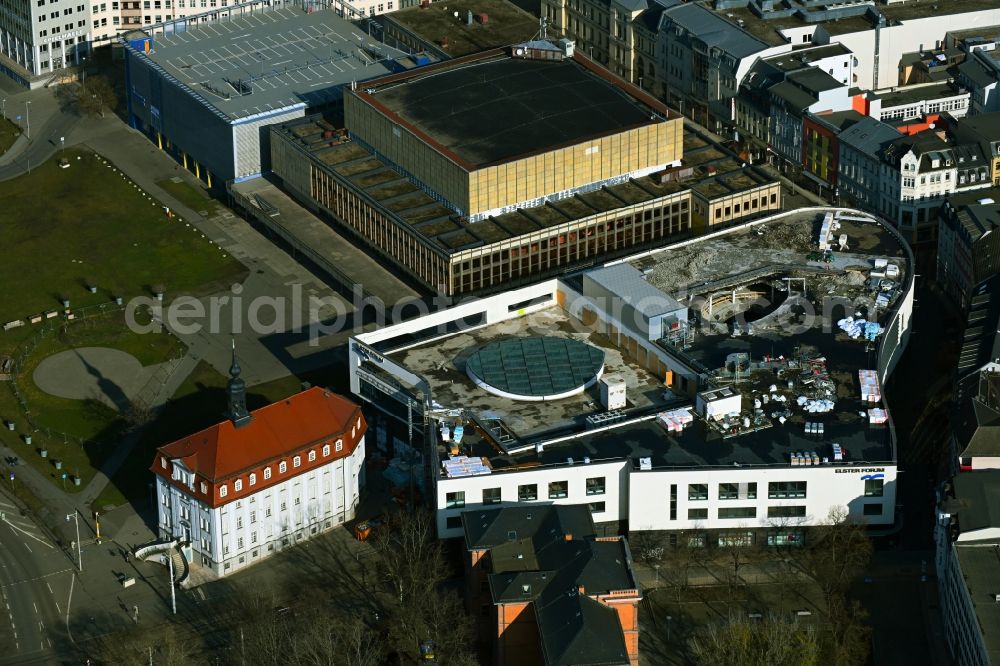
(276, 432)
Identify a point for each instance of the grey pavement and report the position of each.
(48, 123)
(110, 375)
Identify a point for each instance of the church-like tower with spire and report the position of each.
(237, 390)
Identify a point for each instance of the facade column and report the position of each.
(208, 175)
(197, 170)
(184, 159)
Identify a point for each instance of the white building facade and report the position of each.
(777, 501)
(227, 519)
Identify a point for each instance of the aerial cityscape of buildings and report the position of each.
(675, 328)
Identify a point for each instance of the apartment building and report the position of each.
(702, 53)
(547, 590)
(967, 536)
(861, 148)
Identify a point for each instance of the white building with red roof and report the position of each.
(243, 489)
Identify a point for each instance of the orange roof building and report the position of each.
(242, 489)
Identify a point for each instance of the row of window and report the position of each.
(527, 492)
(796, 511)
(696, 492)
(282, 468)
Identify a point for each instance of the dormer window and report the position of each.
(253, 479)
(238, 485)
(163, 463)
(223, 490)
(312, 456)
(282, 467)
(340, 445)
(297, 461)
(204, 488)
(267, 473)
(326, 450)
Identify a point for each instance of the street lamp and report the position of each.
(83, 59)
(27, 118)
(3, 107)
(79, 552)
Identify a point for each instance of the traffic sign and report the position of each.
(64, 476)
(12, 476)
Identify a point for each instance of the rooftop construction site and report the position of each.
(757, 347)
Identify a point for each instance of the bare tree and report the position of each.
(97, 96)
(133, 646)
(770, 641)
(412, 561)
(836, 553)
(410, 557)
(137, 415)
(847, 639)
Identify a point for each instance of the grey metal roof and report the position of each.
(625, 281)
(265, 61)
(714, 30)
(543, 555)
(797, 98)
(488, 528)
(980, 342)
(981, 573)
(815, 79)
(977, 500)
(976, 72)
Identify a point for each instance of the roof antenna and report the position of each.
(237, 390)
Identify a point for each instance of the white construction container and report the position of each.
(613, 392)
(715, 404)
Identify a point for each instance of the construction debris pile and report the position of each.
(856, 328)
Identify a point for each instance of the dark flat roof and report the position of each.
(499, 109)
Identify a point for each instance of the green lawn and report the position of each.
(193, 197)
(84, 224)
(8, 134)
(90, 419)
(65, 229)
(198, 403)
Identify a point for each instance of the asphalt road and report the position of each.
(43, 144)
(35, 578)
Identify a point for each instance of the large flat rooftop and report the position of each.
(916, 9)
(788, 356)
(498, 109)
(768, 29)
(259, 62)
(918, 93)
(505, 24)
(443, 364)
